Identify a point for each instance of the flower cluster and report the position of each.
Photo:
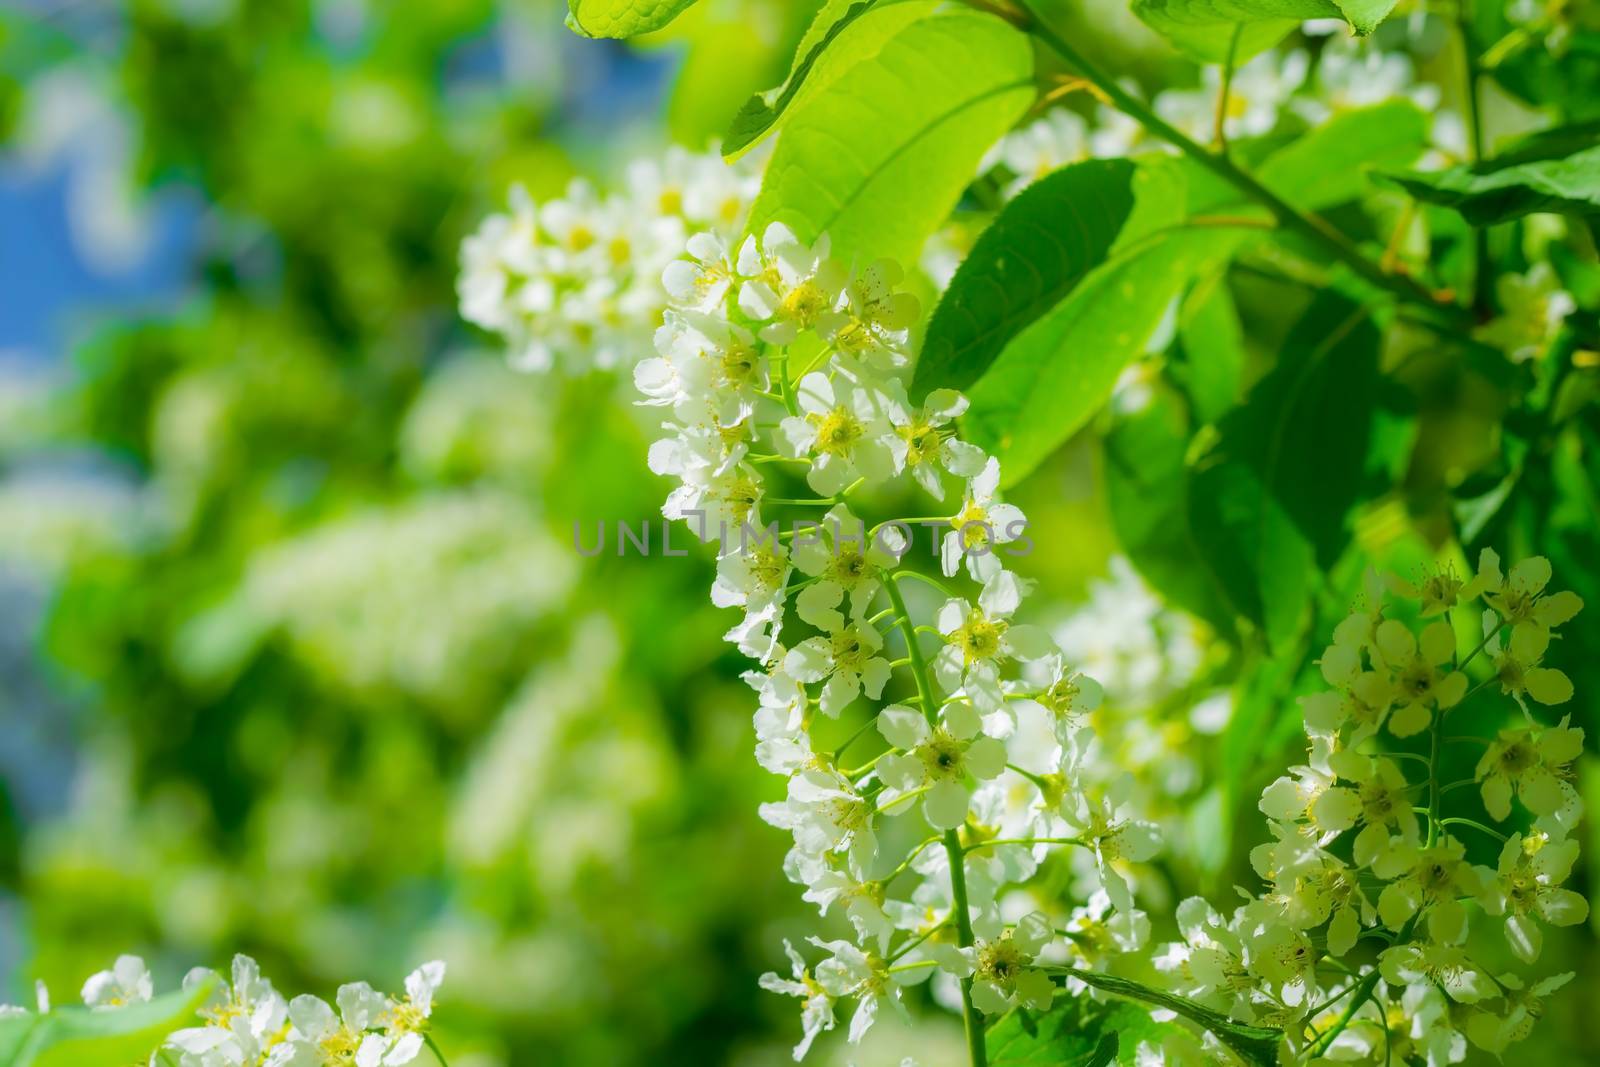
(1362, 850)
(245, 1022)
(779, 372)
(576, 281)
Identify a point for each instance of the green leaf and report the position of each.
(79, 1037)
(1330, 164)
(1271, 498)
(825, 52)
(622, 18)
(1256, 1045)
(1365, 15)
(1211, 347)
(1059, 371)
(1038, 249)
(1205, 28)
(15, 1034)
(1556, 171)
(1146, 481)
(1076, 1032)
(879, 157)
(721, 61)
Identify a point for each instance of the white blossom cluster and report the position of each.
(1362, 849)
(245, 1022)
(779, 374)
(1160, 710)
(576, 281)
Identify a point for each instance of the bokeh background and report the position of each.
(296, 657)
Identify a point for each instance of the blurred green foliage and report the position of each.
(340, 693)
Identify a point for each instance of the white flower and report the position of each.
(782, 744)
(1532, 763)
(1112, 837)
(343, 1037)
(1534, 306)
(1432, 885)
(1420, 681)
(935, 760)
(1428, 963)
(979, 639)
(846, 427)
(242, 1018)
(1001, 966)
(846, 563)
(756, 578)
(846, 660)
(1068, 696)
(1379, 800)
(873, 321)
(925, 441)
(816, 1010)
(715, 503)
(406, 1019)
(852, 973)
(1353, 75)
(1519, 598)
(825, 813)
(1495, 1031)
(980, 525)
(1209, 963)
(707, 369)
(788, 285)
(1527, 885)
(861, 900)
(702, 282)
(127, 982)
(1517, 666)
(1096, 932)
(1258, 91)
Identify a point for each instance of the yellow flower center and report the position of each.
(1001, 961)
(837, 431)
(736, 365)
(849, 654)
(802, 304)
(979, 637)
(1516, 759)
(943, 756)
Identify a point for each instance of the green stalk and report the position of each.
(1482, 291)
(1310, 227)
(1219, 134)
(977, 1049)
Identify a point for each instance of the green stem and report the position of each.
(1256, 1045)
(1363, 990)
(427, 1039)
(861, 732)
(932, 583)
(913, 943)
(784, 386)
(977, 1050)
(1457, 821)
(1219, 134)
(1435, 794)
(1314, 229)
(1028, 841)
(1482, 291)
